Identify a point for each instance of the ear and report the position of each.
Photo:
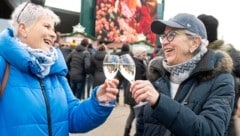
(195, 43)
(22, 30)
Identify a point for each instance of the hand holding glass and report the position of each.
(128, 70)
(110, 68)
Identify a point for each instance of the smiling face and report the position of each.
(40, 35)
(178, 47)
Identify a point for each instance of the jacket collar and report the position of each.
(211, 64)
(18, 57)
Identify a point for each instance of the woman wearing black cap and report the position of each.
(194, 93)
(211, 24)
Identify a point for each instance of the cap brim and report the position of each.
(158, 26)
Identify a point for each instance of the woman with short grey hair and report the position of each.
(37, 99)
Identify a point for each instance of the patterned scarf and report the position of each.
(180, 72)
(41, 61)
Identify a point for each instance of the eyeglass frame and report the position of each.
(37, 2)
(170, 38)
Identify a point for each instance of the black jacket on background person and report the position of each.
(140, 75)
(235, 55)
(97, 67)
(78, 62)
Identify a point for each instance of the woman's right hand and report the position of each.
(108, 91)
(143, 90)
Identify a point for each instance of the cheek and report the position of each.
(182, 53)
(183, 49)
(178, 56)
(34, 40)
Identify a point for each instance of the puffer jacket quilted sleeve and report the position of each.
(32, 106)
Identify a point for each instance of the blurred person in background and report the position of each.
(97, 65)
(65, 49)
(194, 94)
(211, 24)
(125, 49)
(139, 55)
(89, 77)
(79, 63)
(37, 99)
(73, 44)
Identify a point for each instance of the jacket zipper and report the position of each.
(47, 107)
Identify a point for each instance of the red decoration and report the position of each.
(124, 20)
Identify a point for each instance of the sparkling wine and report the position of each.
(110, 70)
(128, 71)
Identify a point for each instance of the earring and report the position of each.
(190, 51)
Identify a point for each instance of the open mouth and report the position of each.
(168, 51)
(48, 42)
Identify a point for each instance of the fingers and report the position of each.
(112, 83)
(111, 93)
(108, 91)
(144, 91)
(139, 91)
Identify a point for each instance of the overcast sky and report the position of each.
(226, 11)
(73, 5)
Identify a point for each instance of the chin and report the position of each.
(46, 48)
(170, 61)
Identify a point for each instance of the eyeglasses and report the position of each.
(171, 35)
(37, 2)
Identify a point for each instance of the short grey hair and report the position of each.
(30, 14)
(204, 42)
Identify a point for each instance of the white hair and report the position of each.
(204, 42)
(30, 14)
(138, 50)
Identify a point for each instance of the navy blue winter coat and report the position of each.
(207, 110)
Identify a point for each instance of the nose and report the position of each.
(163, 41)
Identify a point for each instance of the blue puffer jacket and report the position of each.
(42, 107)
(207, 110)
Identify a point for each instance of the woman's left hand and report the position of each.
(108, 91)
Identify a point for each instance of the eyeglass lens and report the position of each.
(169, 36)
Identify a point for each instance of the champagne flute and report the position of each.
(110, 69)
(128, 70)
